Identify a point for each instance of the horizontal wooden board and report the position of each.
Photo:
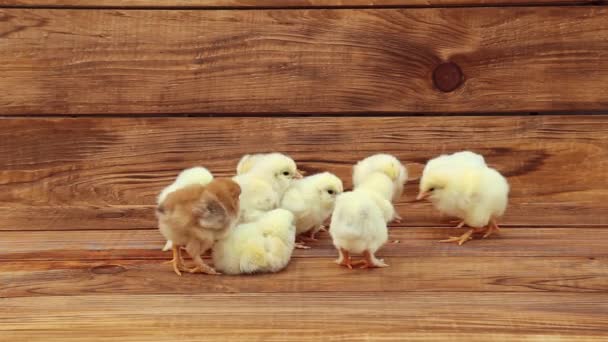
(517, 59)
(279, 3)
(434, 274)
(99, 173)
(309, 317)
(403, 242)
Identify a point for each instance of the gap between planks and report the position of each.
(287, 5)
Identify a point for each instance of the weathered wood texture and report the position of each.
(305, 61)
(404, 242)
(309, 317)
(281, 3)
(425, 273)
(92, 173)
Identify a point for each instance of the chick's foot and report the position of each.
(460, 239)
(301, 245)
(370, 261)
(205, 269)
(344, 259)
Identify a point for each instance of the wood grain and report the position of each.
(92, 173)
(517, 59)
(412, 242)
(280, 3)
(341, 316)
(433, 274)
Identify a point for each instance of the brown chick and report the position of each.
(195, 217)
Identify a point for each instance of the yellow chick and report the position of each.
(262, 246)
(264, 183)
(359, 222)
(386, 164)
(458, 158)
(453, 160)
(467, 189)
(312, 201)
(248, 161)
(195, 175)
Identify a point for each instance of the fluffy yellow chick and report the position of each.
(264, 184)
(262, 246)
(467, 189)
(457, 159)
(195, 217)
(248, 161)
(359, 222)
(195, 175)
(312, 201)
(386, 164)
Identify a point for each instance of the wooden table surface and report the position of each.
(103, 102)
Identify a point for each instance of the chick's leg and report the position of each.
(310, 235)
(344, 258)
(177, 261)
(313, 232)
(180, 256)
(460, 223)
(195, 249)
(492, 227)
(370, 261)
(460, 239)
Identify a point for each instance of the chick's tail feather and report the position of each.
(168, 245)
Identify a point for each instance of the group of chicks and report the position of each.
(253, 221)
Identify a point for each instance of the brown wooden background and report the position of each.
(103, 102)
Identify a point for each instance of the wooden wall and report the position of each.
(103, 102)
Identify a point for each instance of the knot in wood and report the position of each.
(447, 77)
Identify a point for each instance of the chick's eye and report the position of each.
(331, 192)
(285, 173)
(432, 189)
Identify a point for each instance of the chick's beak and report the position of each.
(299, 174)
(423, 195)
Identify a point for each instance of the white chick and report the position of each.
(387, 164)
(473, 192)
(359, 222)
(264, 184)
(312, 201)
(194, 175)
(262, 246)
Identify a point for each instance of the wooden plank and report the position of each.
(412, 242)
(309, 317)
(433, 274)
(279, 3)
(99, 173)
(517, 59)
